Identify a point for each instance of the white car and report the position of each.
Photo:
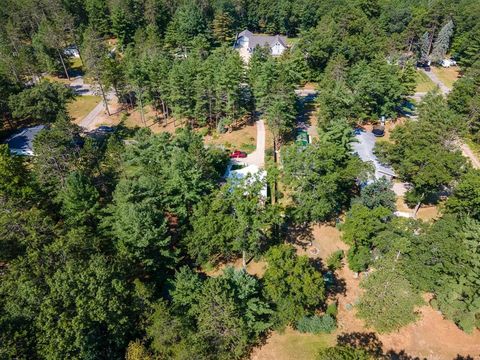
(446, 63)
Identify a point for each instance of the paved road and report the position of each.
(307, 95)
(257, 157)
(88, 122)
(467, 152)
(444, 89)
(81, 87)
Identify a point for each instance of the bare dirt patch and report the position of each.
(255, 268)
(432, 337)
(243, 138)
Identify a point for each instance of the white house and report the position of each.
(246, 42)
(249, 172)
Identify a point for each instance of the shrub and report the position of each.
(359, 258)
(334, 261)
(317, 324)
(332, 310)
(204, 131)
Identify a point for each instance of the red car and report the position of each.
(238, 154)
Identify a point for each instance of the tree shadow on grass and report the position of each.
(338, 286)
(298, 234)
(370, 342)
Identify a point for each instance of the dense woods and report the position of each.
(106, 242)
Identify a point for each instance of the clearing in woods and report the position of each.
(431, 337)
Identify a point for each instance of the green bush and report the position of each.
(317, 324)
(334, 261)
(332, 310)
(359, 258)
(204, 132)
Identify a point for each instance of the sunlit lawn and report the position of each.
(446, 75)
(293, 345)
(82, 105)
(424, 84)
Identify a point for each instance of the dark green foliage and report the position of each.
(15, 180)
(321, 176)
(57, 153)
(294, 296)
(41, 103)
(362, 223)
(179, 169)
(316, 324)
(215, 318)
(376, 194)
(444, 260)
(464, 100)
(343, 353)
(230, 222)
(465, 199)
(389, 300)
(93, 231)
(422, 153)
(79, 200)
(334, 261)
(359, 257)
(138, 223)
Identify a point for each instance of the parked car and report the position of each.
(237, 154)
(446, 63)
(378, 131)
(427, 68)
(302, 138)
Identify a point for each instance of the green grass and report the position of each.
(82, 105)
(294, 345)
(424, 84)
(248, 148)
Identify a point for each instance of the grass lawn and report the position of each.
(447, 75)
(82, 105)
(424, 84)
(293, 345)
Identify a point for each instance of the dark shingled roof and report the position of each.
(21, 143)
(262, 40)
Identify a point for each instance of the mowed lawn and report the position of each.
(82, 105)
(424, 84)
(292, 345)
(447, 75)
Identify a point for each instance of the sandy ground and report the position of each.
(256, 268)
(431, 337)
(244, 135)
(426, 212)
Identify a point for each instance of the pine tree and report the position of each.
(442, 42)
(424, 47)
(222, 27)
(389, 300)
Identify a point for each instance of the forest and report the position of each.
(107, 242)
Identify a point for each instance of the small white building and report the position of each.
(246, 42)
(249, 172)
